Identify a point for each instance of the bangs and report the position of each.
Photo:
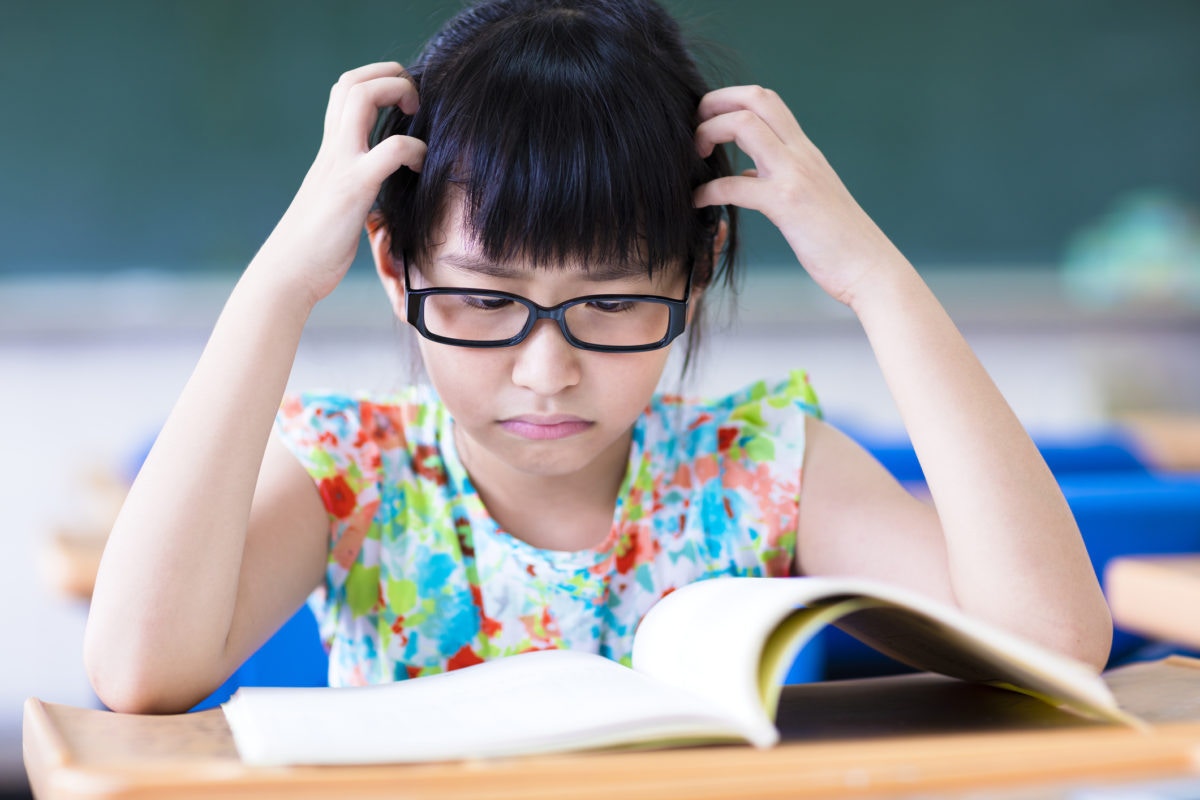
(568, 135)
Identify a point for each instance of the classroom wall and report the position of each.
(166, 134)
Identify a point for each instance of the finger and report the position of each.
(745, 128)
(363, 102)
(351, 78)
(732, 190)
(763, 102)
(391, 154)
(750, 173)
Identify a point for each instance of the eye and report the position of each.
(484, 302)
(612, 306)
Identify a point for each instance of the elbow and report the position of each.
(128, 690)
(128, 682)
(1101, 646)
(1088, 640)
(120, 695)
(1083, 634)
(1101, 637)
(1092, 654)
(127, 695)
(118, 682)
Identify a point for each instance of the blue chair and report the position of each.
(1126, 514)
(1121, 506)
(292, 657)
(1098, 452)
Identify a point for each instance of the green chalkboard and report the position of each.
(170, 134)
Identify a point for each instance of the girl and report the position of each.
(548, 204)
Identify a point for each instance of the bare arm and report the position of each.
(223, 534)
(1003, 543)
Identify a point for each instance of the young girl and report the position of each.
(548, 204)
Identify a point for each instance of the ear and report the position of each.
(390, 271)
(719, 241)
(695, 304)
(697, 290)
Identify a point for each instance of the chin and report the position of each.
(545, 463)
(548, 459)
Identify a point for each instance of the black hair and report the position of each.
(567, 128)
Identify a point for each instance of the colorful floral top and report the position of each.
(421, 580)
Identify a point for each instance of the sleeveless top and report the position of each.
(420, 579)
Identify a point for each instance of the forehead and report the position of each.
(458, 248)
(473, 262)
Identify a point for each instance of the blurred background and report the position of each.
(1038, 161)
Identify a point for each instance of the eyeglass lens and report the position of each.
(484, 318)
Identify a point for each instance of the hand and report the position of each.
(318, 236)
(793, 185)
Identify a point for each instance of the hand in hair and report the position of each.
(997, 516)
(319, 234)
(793, 185)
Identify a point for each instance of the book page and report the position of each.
(983, 655)
(538, 702)
(784, 644)
(708, 659)
(710, 636)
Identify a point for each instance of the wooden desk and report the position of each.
(875, 737)
(1158, 596)
(1166, 441)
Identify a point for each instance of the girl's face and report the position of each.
(541, 407)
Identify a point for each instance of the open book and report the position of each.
(708, 661)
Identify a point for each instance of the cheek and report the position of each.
(460, 373)
(637, 374)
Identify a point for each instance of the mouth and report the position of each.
(550, 426)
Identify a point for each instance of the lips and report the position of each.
(542, 427)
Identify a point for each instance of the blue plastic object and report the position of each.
(1121, 506)
(809, 665)
(1123, 514)
(1102, 451)
(1118, 513)
(292, 657)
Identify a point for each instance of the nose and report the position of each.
(546, 363)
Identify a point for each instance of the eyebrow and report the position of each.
(608, 271)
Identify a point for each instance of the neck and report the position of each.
(573, 511)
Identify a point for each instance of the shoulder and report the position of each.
(764, 411)
(339, 428)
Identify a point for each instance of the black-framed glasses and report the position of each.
(610, 323)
